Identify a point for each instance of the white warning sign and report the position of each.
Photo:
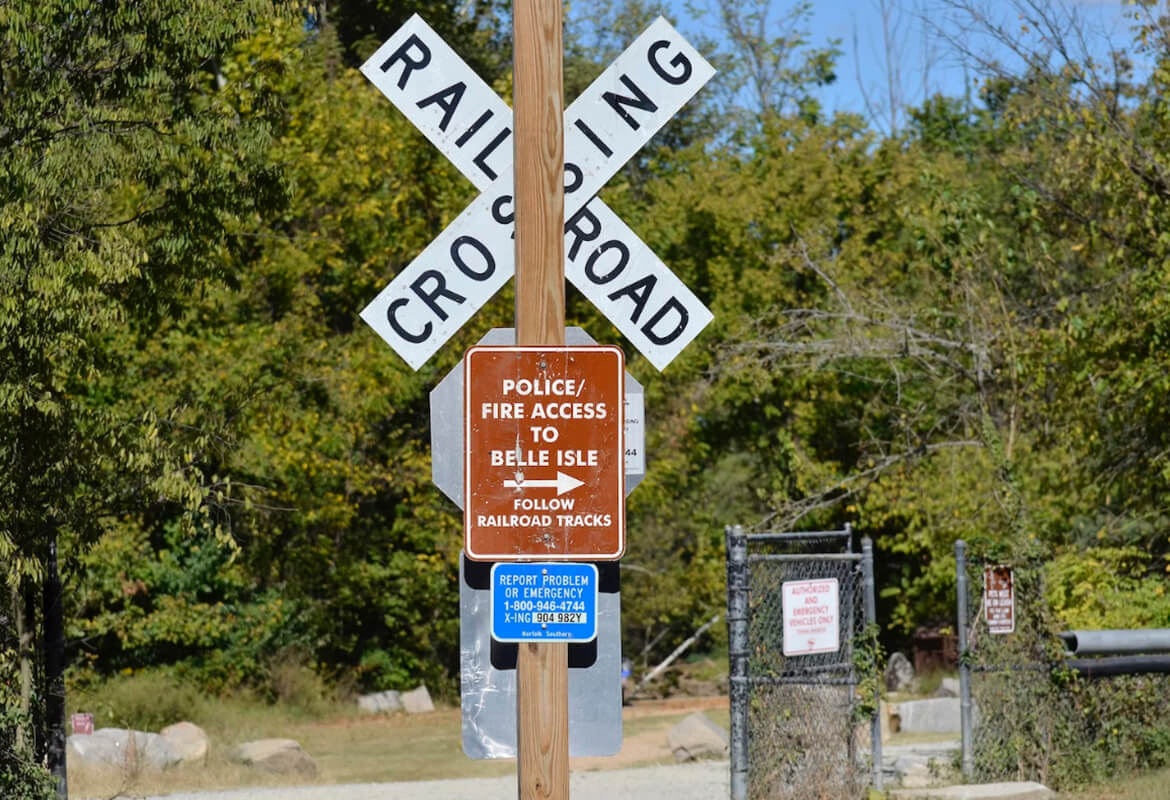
(812, 618)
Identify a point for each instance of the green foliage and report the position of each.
(473, 30)
(21, 778)
(328, 534)
(1107, 587)
(1068, 732)
(868, 664)
(148, 700)
(958, 332)
(116, 183)
(183, 600)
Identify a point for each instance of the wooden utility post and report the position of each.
(540, 168)
(542, 668)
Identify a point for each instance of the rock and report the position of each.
(948, 688)
(118, 747)
(937, 715)
(94, 750)
(279, 756)
(697, 736)
(899, 673)
(915, 770)
(380, 702)
(417, 701)
(187, 740)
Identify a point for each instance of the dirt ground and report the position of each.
(649, 745)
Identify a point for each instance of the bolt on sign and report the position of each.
(812, 618)
(999, 599)
(429, 300)
(545, 456)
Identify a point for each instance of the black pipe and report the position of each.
(1117, 642)
(1119, 665)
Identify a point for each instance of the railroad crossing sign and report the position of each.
(469, 261)
(545, 465)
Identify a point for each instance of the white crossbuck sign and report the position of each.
(469, 261)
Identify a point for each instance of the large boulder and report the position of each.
(899, 673)
(119, 747)
(417, 701)
(381, 702)
(279, 756)
(697, 736)
(188, 741)
(91, 749)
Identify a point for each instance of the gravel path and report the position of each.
(703, 781)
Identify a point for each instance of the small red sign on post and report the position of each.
(999, 601)
(544, 462)
(81, 723)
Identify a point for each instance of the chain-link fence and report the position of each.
(1027, 712)
(804, 673)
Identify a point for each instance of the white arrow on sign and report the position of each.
(470, 260)
(563, 483)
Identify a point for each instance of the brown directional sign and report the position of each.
(544, 463)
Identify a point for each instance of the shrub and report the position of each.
(147, 701)
(294, 684)
(1068, 731)
(21, 778)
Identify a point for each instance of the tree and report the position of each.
(965, 319)
(120, 162)
(338, 545)
(473, 28)
(770, 67)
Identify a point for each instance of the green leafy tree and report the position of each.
(121, 160)
(473, 28)
(320, 426)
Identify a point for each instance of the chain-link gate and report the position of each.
(1008, 701)
(803, 725)
(1029, 712)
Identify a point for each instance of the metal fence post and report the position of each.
(875, 727)
(737, 635)
(967, 759)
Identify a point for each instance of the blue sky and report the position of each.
(921, 57)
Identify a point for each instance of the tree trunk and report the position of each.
(24, 643)
(54, 626)
(30, 668)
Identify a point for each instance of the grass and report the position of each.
(400, 747)
(1151, 786)
(346, 747)
(394, 748)
(920, 738)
